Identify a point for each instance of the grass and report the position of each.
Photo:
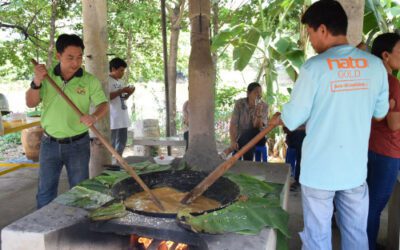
(9, 141)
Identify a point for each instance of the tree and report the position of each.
(202, 152)
(27, 24)
(95, 40)
(175, 12)
(266, 34)
(134, 30)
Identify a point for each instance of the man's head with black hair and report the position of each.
(326, 21)
(384, 43)
(387, 47)
(117, 68)
(70, 54)
(65, 40)
(117, 63)
(327, 12)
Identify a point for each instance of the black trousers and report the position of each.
(245, 137)
(294, 139)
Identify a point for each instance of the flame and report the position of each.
(145, 241)
(164, 245)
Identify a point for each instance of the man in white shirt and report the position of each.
(119, 117)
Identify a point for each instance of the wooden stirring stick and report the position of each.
(105, 143)
(223, 167)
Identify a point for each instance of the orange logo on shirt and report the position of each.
(347, 63)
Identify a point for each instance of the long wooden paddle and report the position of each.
(105, 142)
(223, 167)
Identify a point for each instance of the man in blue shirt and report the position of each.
(336, 95)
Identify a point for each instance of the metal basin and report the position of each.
(223, 190)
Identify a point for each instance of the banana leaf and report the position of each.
(259, 208)
(95, 185)
(244, 217)
(148, 167)
(84, 198)
(113, 211)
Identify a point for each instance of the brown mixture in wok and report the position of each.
(170, 198)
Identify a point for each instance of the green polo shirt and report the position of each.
(58, 118)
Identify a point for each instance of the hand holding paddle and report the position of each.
(223, 167)
(104, 141)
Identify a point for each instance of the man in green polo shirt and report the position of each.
(66, 139)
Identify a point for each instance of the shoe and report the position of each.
(295, 186)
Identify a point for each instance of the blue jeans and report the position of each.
(53, 156)
(351, 215)
(119, 138)
(382, 176)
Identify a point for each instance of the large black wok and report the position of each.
(223, 190)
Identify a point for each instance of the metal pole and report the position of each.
(165, 51)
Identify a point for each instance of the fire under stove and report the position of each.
(60, 227)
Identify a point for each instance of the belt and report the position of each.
(67, 139)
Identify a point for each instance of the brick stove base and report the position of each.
(60, 227)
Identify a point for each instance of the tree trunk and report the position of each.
(355, 14)
(202, 152)
(95, 40)
(215, 28)
(175, 18)
(50, 51)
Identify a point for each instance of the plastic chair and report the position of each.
(261, 151)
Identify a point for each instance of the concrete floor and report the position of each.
(18, 191)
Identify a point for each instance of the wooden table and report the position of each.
(12, 127)
(15, 126)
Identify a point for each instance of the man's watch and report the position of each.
(33, 86)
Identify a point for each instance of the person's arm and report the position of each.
(32, 96)
(100, 112)
(382, 103)
(297, 111)
(233, 127)
(261, 115)
(233, 135)
(393, 117)
(118, 92)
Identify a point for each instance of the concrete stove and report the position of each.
(60, 227)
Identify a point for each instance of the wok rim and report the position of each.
(235, 190)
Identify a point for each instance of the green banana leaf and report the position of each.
(84, 198)
(244, 217)
(95, 185)
(113, 211)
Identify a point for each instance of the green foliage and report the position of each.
(380, 16)
(248, 216)
(263, 30)
(115, 210)
(224, 101)
(26, 24)
(9, 141)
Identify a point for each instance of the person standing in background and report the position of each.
(119, 93)
(384, 142)
(185, 111)
(249, 116)
(336, 95)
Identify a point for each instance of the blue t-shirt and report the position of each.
(336, 95)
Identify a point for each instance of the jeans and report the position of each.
(53, 156)
(119, 138)
(351, 215)
(382, 176)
